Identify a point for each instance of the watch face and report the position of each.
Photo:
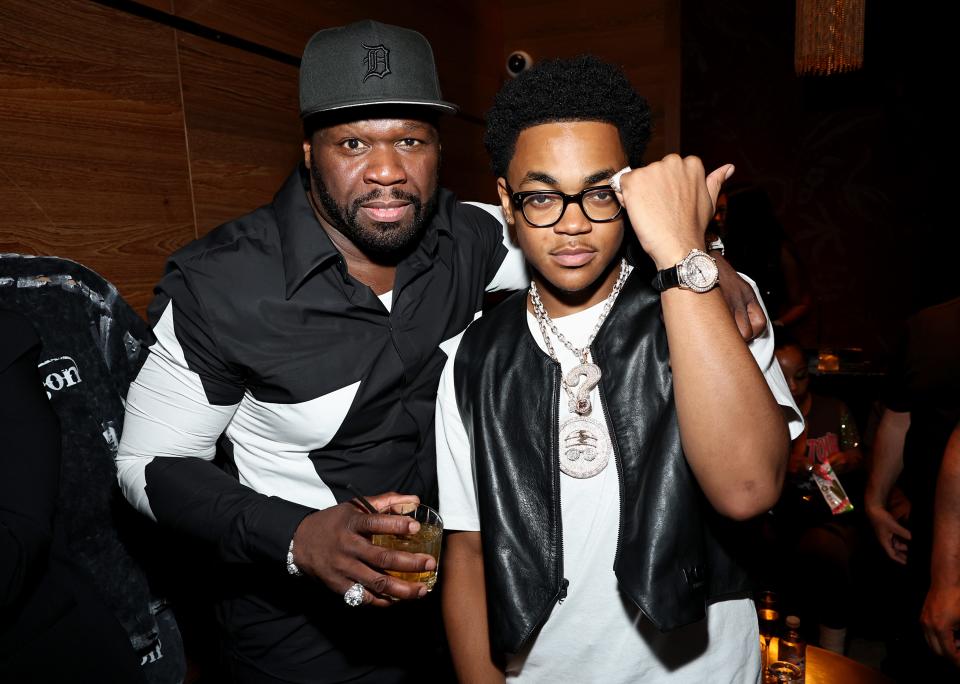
(698, 272)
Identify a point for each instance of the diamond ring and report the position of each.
(353, 596)
(615, 178)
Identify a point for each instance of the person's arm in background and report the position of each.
(29, 460)
(884, 468)
(941, 611)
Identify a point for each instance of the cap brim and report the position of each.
(437, 105)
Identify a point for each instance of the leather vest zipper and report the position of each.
(616, 456)
(558, 528)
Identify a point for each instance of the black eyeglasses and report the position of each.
(545, 208)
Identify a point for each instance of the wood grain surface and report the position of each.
(94, 165)
(642, 37)
(243, 130)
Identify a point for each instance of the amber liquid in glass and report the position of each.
(768, 618)
(424, 540)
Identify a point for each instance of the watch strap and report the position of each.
(667, 278)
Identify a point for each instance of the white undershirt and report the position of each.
(597, 634)
(386, 299)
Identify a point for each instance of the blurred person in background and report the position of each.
(923, 407)
(755, 244)
(941, 610)
(818, 543)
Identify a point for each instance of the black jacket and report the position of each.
(672, 555)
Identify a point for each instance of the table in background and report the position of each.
(827, 667)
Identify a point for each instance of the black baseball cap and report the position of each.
(368, 63)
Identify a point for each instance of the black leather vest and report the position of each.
(673, 550)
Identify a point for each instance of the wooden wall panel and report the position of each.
(466, 37)
(643, 38)
(243, 130)
(94, 161)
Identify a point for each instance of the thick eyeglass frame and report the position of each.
(516, 198)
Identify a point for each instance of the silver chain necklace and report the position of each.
(544, 320)
(584, 443)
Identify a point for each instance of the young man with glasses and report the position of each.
(581, 424)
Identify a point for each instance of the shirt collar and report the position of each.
(305, 245)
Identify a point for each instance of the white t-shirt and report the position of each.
(598, 634)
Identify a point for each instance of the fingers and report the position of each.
(385, 586)
(758, 321)
(898, 529)
(369, 524)
(939, 631)
(742, 319)
(381, 501)
(716, 180)
(895, 548)
(370, 600)
(393, 559)
(894, 555)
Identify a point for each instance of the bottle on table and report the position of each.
(792, 648)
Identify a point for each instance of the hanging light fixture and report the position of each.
(829, 36)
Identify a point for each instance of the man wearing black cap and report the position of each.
(310, 333)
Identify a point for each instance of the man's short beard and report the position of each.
(385, 240)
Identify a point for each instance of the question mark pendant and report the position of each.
(578, 393)
(584, 443)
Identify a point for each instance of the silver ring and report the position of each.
(615, 178)
(353, 596)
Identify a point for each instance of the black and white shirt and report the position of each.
(315, 382)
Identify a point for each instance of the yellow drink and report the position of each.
(425, 540)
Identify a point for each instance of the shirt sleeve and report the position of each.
(181, 401)
(508, 268)
(762, 349)
(455, 472)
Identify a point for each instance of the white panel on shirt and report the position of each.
(512, 274)
(619, 645)
(272, 444)
(167, 415)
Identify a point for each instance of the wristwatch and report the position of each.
(715, 244)
(697, 271)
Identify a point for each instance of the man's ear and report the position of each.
(307, 148)
(506, 206)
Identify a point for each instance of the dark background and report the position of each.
(848, 160)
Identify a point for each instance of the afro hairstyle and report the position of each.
(582, 88)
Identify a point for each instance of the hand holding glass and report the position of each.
(425, 540)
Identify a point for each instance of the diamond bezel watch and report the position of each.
(697, 271)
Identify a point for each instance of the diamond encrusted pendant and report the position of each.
(578, 393)
(584, 447)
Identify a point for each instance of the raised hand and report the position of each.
(669, 203)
